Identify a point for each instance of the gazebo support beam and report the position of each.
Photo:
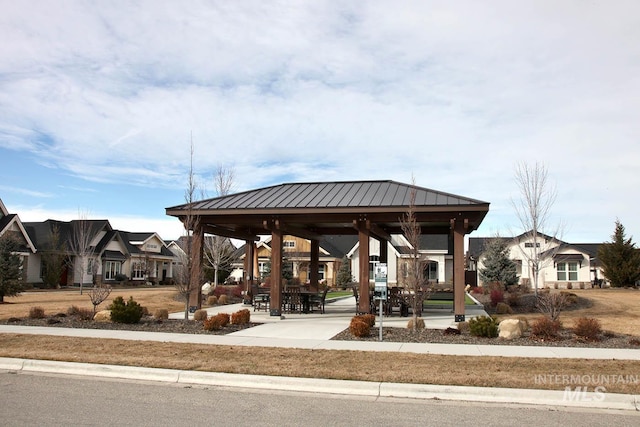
(458, 226)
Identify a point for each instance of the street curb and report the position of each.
(556, 398)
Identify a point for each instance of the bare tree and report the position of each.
(98, 293)
(188, 277)
(414, 271)
(80, 247)
(533, 208)
(219, 251)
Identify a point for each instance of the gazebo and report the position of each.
(368, 209)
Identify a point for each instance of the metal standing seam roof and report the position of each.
(323, 195)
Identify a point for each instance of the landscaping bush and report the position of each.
(513, 298)
(546, 328)
(451, 331)
(215, 323)
(463, 327)
(200, 315)
(223, 299)
(129, 312)
(369, 319)
(359, 327)
(419, 323)
(241, 317)
(212, 300)
(569, 286)
(587, 328)
(497, 296)
(483, 326)
(73, 310)
(503, 308)
(84, 314)
(476, 290)
(525, 323)
(36, 313)
(161, 314)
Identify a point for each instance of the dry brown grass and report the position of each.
(618, 310)
(400, 367)
(55, 301)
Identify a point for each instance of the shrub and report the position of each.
(161, 314)
(224, 318)
(552, 304)
(555, 285)
(145, 311)
(73, 310)
(634, 342)
(476, 290)
(369, 319)
(84, 314)
(131, 312)
(483, 326)
(215, 323)
(497, 296)
(241, 317)
(359, 327)
(451, 331)
(582, 285)
(200, 315)
(212, 300)
(569, 286)
(463, 327)
(223, 299)
(503, 308)
(513, 298)
(587, 328)
(419, 323)
(546, 328)
(36, 313)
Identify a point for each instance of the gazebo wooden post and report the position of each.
(315, 263)
(275, 304)
(195, 275)
(249, 251)
(363, 256)
(459, 229)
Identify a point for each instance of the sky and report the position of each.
(101, 101)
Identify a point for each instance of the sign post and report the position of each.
(380, 290)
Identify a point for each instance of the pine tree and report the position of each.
(344, 276)
(620, 259)
(11, 281)
(498, 267)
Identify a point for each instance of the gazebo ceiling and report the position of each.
(311, 210)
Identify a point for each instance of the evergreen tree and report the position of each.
(620, 259)
(344, 276)
(498, 267)
(11, 281)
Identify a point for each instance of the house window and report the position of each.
(289, 244)
(530, 245)
(567, 271)
(374, 260)
(111, 269)
(137, 270)
(321, 272)
(431, 270)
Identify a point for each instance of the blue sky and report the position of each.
(99, 102)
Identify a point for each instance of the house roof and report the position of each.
(330, 208)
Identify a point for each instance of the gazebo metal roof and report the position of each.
(328, 208)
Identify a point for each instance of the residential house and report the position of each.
(10, 225)
(434, 249)
(564, 265)
(113, 255)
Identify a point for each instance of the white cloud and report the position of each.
(455, 94)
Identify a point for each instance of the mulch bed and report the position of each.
(149, 324)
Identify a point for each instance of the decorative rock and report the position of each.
(510, 329)
(103, 316)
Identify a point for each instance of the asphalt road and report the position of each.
(46, 400)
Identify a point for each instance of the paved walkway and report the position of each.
(314, 331)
